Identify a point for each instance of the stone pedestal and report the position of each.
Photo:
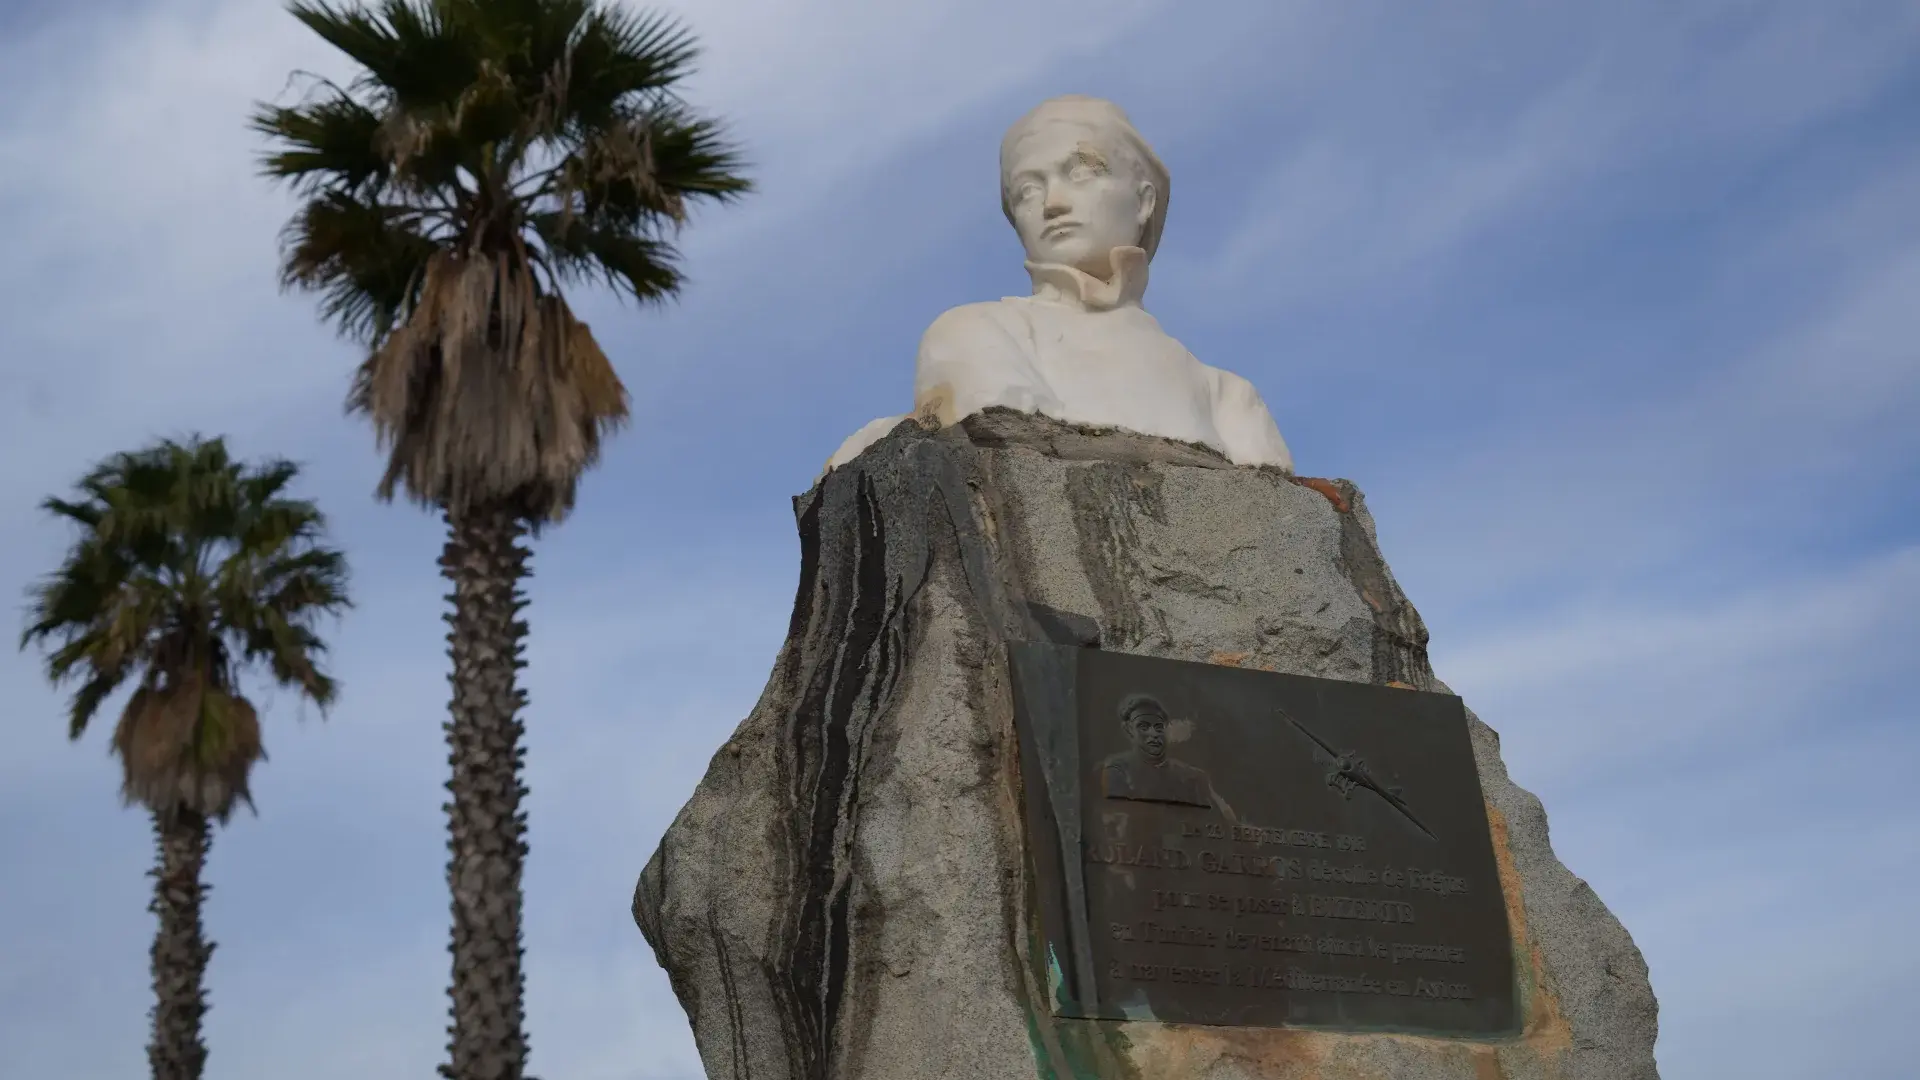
(848, 893)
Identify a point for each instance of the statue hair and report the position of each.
(1134, 704)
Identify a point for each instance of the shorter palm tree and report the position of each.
(188, 568)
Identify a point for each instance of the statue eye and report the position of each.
(1080, 174)
(1026, 191)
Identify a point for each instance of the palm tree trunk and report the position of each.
(487, 829)
(180, 947)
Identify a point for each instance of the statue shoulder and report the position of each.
(989, 323)
(1232, 390)
(1244, 423)
(974, 357)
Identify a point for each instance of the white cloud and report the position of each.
(1379, 177)
(1857, 366)
(1764, 894)
(1590, 690)
(1342, 209)
(1718, 463)
(831, 91)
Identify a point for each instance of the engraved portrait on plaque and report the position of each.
(1144, 772)
(1254, 849)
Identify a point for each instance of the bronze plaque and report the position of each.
(1213, 845)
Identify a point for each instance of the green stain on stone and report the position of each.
(1056, 980)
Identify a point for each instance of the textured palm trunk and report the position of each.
(180, 948)
(487, 830)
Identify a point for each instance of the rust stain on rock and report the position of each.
(1325, 487)
(989, 523)
(1182, 1050)
(1167, 1051)
(935, 410)
(1543, 1029)
(1239, 660)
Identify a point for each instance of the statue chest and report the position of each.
(1119, 368)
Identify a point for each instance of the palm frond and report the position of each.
(412, 54)
(577, 249)
(330, 143)
(619, 56)
(368, 258)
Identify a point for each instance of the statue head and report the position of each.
(1077, 181)
(1145, 722)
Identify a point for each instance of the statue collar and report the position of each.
(1077, 288)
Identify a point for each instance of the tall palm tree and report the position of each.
(189, 568)
(489, 154)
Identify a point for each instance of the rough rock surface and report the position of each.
(845, 894)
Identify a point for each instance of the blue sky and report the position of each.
(1612, 309)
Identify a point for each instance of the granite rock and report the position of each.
(845, 895)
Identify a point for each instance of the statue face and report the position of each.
(1074, 198)
(1150, 734)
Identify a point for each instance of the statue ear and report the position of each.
(1149, 202)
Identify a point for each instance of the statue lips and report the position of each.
(1056, 229)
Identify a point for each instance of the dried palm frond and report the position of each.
(490, 391)
(189, 746)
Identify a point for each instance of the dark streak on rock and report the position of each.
(1101, 495)
(1399, 634)
(736, 1026)
(866, 541)
(808, 519)
(826, 738)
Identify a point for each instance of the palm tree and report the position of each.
(490, 153)
(189, 567)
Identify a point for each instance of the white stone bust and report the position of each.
(1088, 197)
